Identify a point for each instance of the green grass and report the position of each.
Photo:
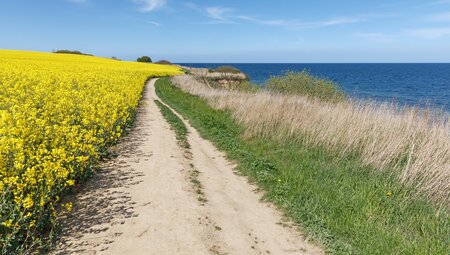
(340, 203)
(181, 134)
(175, 123)
(304, 83)
(226, 69)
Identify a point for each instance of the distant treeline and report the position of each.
(143, 59)
(71, 52)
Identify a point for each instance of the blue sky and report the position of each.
(234, 30)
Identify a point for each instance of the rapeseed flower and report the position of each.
(58, 113)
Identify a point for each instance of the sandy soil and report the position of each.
(156, 198)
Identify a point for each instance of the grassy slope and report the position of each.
(338, 202)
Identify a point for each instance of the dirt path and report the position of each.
(156, 198)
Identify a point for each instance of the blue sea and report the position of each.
(424, 85)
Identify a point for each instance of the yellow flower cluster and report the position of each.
(58, 113)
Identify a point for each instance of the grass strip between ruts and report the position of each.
(175, 123)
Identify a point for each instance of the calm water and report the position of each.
(412, 84)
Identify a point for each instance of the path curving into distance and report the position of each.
(158, 198)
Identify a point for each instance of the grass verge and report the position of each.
(175, 123)
(338, 202)
(181, 132)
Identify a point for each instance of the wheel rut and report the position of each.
(158, 198)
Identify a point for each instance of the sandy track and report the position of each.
(143, 201)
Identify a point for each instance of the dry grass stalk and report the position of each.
(414, 143)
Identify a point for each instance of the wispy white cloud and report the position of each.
(216, 14)
(193, 6)
(375, 37)
(224, 15)
(339, 21)
(443, 16)
(150, 5)
(269, 22)
(154, 23)
(138, 20)
(300, 24)
(219, 14)
(430, 33)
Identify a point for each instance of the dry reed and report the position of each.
(413, 143)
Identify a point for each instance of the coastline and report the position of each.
(326, 191)
(423, 84)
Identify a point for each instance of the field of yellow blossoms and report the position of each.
(58, 113)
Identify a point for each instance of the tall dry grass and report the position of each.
(413, 144)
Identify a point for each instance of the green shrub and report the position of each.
(144, 59)
(227, 69)
(248, 86)
(163, 62)
(303, 83)
(76, 52)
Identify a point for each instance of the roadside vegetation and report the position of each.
(304, 83)
(181, 135)
(176, 124)
(58, 115)
(358, 177)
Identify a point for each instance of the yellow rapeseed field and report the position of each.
(58, 113)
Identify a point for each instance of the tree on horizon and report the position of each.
(144, 59)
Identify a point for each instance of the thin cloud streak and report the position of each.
(220, 14)
(154, 23)
(300, 24)
(193, 6)
(375, 37)
(223, 15)
(443, 16)
(430, 33)
(150, 5)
